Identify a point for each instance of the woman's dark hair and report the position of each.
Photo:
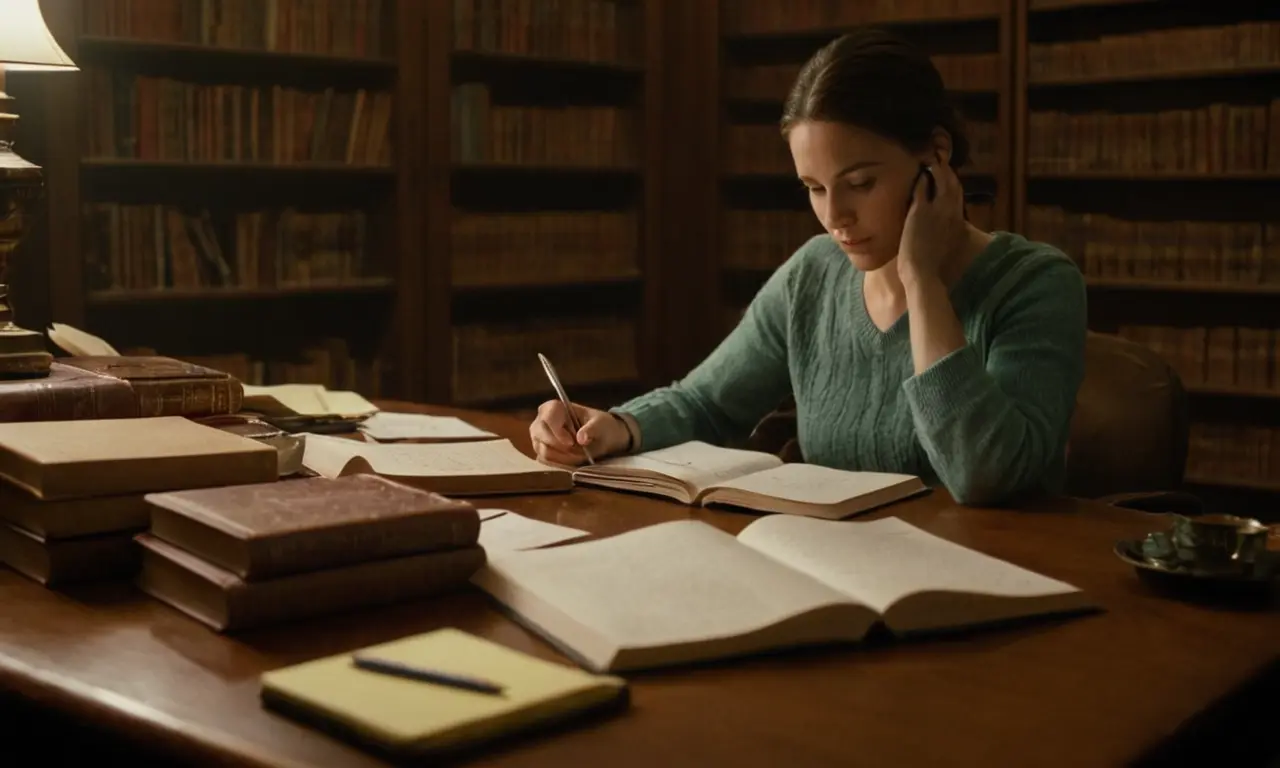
(879, 82)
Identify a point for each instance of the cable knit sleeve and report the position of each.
(722, 399)
(995, 426)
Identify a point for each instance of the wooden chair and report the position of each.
(1129, 433)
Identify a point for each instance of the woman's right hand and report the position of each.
(554, 441)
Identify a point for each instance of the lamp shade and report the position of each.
(25, 40)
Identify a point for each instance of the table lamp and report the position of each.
(25, 44)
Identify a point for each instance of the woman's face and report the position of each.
(859, 184)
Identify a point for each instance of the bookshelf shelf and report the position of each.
(1040, 6)
(818, 35)
(1178, 286)
(372, 285)
(479, 63)
(540, 283)
(545, 168)
(1233, 482)
(1156, 176)
(1224, 72)
(166, 167)
(1247, 393)
(96, 48)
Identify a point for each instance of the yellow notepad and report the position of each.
(407, 717)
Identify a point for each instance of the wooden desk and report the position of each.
(1098, 690)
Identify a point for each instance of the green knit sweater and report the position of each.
(989, 421)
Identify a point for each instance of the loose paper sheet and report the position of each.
(508, 532)
(420, 426)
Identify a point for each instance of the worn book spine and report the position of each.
(309, 550)
(189, 397)
(67, 394)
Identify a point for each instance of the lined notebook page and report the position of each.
(697, 463)
(665, 584)
(878, 562)
(813, 484)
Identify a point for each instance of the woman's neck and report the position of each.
(887, 284)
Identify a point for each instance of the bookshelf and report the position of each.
(221, 186)
(547, 235)
(1148, 140)
(763, 213)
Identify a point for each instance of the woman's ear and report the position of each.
(941, 140)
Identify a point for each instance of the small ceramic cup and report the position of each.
(1218, 541)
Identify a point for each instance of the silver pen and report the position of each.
(564, 398)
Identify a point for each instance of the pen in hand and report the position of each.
(564, 399)
(410, 672)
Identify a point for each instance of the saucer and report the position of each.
(1154, 559)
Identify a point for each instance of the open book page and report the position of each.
(305, 400)
(888, 563)
(695, 463)
(329, 456)
(667, 594)
(508, 532)
(817, 485)
(74, 341)
(388, 426)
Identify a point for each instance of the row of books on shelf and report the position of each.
(749, 16)
(960, 72)
(1220, 137)
(586, 30)
(1191, 251)
(761, 148)
(499, 362)
(597, 136)
(342, 27)
(1219, 356)
(544, 247)
(154, 118)
(1158, 51)
(326, 361)
(1234, 454)
(150, 247)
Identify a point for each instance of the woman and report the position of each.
(912, 341)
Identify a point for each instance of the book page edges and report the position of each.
(643, 481)
(579, 642)
(735, 497)
(938, 610)
(830, 623)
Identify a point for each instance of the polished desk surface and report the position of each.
(1093, 690)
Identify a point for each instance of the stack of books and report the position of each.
(249, 555)
(71, 492)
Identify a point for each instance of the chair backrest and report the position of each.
(1130, 428)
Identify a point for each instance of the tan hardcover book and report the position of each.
(699, 473)
(684, 591)
(103, 457)
(219, 599)
(267, 530)
(55, 563)
(69, 518)
(454, 469)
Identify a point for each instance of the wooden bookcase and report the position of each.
(763, 214)
(546, 202)
(223, 189)
(1149, 149)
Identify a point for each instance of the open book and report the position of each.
(453, 469)
(307, 400)
(685, 591)
(699, 473)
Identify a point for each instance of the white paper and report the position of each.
(509, 532)
(420, 426)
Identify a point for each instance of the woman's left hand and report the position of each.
(933, 227)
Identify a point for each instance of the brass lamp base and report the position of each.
(22, 352)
